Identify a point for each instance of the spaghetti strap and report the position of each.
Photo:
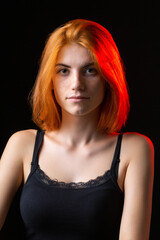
(116, 158)
(38, 142)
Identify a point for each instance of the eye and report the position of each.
(63, 71)
(90, 71)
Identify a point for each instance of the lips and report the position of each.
(78, 97)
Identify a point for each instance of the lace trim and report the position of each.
(72, 185)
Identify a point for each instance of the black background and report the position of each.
(135, 26)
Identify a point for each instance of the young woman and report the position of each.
(82, 178)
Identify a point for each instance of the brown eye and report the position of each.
(63, 71)
(91, 71)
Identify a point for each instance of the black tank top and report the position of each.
(53, 210)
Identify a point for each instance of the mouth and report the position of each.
(77, 98)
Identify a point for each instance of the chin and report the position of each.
(82, 113)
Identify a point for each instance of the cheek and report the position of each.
(59, 92)
(99, 90)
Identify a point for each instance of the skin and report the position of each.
(80, 151)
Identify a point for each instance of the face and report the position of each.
(78, 87)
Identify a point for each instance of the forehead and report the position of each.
(73, 54)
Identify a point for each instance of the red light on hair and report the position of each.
(96, 38)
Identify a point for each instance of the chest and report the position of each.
(75, 165)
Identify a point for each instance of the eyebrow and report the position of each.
(65, 65)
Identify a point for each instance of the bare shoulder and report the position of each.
(23, 138)
(20, 142)
(138, 141)
(23, 135)
(138, 146)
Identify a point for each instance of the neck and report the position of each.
(79, 130)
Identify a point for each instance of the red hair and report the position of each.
(96, 38)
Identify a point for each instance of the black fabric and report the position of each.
(53, 210)
(13, 227)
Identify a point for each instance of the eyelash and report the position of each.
(93, 69)
(60, 70)
(84, 71)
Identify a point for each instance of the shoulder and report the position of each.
(23, 136)
(137, 141)
(138, 148)
(21, 141)
(19, 146)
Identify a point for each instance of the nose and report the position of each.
(77, 81)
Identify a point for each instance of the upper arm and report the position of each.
(138, 187)
(11, 170)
